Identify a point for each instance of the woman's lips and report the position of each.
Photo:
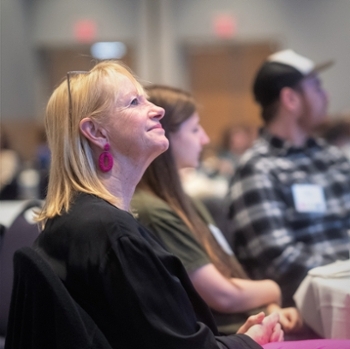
(157, 126)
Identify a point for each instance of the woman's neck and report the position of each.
(122, 181)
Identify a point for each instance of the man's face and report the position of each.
(314, 103)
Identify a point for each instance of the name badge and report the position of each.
(220, 238)
(309, 198)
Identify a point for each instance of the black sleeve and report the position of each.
(160, 303)
(237, 341)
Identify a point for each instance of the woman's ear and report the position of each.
(93, 132)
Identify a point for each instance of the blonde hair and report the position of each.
(93, 94)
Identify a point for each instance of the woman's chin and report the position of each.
(159, 148)
(163, 145)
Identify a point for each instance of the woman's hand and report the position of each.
(251, 321)
(290, 318)
(263, 329)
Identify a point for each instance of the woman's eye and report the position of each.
(135, 101)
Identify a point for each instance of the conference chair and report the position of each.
(43, 315)
(22, 232)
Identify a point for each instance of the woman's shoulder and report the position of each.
(90, 216)
(91, 225)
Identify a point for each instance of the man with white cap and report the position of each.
(289, 200)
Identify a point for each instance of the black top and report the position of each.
(136, 292)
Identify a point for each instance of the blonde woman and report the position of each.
(103, 133)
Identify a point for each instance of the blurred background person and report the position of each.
(10, 166)
(235, 141)
(289, 196)
(42, 162)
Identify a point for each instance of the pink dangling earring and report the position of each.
(105, 160)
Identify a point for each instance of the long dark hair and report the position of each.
(163, 180)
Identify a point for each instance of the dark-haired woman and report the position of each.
(188, 231)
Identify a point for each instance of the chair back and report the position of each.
(43, 314)
(2, 233)
(22, 232)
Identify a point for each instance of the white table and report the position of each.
(323, 298)
(9, 210)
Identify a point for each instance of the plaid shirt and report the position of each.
(270, 237)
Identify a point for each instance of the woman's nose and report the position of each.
(205, 138)
(156, 112)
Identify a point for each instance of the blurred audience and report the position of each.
(42, 162)
(10, 165)
(289, 197)
(235, 141)
(211, 178)
(24, 179)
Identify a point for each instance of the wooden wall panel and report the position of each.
(23, 136)
(58, 61)
(221, 77)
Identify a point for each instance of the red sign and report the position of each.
(224, 26)
(85, 30)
